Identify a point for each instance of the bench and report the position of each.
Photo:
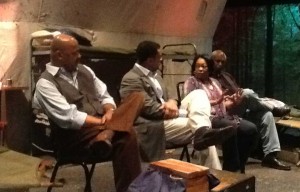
(289, 152)
(18, 171)
(291, 122)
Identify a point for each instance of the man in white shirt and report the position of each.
(84, 116)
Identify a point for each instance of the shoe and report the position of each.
(102, 147)
(205, 136)
(272, 162)
(281, 111)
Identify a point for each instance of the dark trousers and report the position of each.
(237, 148)
(125, 156)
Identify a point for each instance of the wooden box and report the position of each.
(194, 175)
(233, 182)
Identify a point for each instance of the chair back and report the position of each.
(180, 90)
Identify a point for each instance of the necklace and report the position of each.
(209, 85)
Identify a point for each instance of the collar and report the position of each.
(146, 71)
(53, 70)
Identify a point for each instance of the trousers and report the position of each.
(237, 148)
(259, 114)
(181, 130)
(125, 155)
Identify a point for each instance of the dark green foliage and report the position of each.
(245, 45)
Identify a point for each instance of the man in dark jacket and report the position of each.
(247, 99)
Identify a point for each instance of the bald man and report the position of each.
(84, 116)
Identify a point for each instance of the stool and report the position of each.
(195, 176)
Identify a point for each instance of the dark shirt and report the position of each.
(227, 82)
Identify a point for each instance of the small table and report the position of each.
(3, 112)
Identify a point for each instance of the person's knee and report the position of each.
(249, 129)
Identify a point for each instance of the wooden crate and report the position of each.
(233, 182)
(194, 175)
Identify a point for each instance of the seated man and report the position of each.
(160, 119)
(229, 84)
(84, 116)
(236, 149)
(259, 110)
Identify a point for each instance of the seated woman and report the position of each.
(237, 149)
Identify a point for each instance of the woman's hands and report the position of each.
(234, 99)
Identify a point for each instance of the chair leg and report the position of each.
(1, 137)
(88, 186)
(52, 179)
(88, 176)
(185, 152)
(193, 153)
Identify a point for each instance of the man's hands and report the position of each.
(92, 121)
(107, 116)
(108, 110)
(170, 109)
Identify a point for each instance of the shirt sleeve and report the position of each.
(101, 89)
(56, 106)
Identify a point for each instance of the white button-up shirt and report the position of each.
(55, 105)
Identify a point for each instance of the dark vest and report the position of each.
(84, 97)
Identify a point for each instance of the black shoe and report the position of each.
(281, 111)
(102, 149)
(272, 162)
(205, 136)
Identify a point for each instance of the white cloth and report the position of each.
(182, 129)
